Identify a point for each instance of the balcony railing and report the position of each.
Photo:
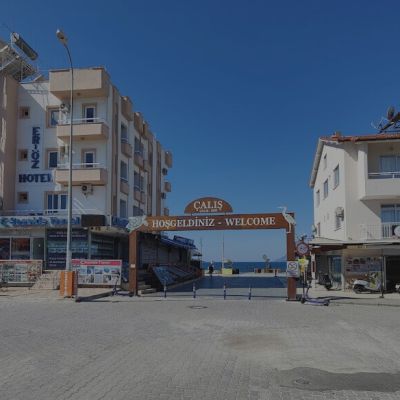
(383, 175)
(385, 230)
(83, 128)
(82, 173)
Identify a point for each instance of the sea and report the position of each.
(248, 266)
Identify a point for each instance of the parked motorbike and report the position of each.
(372, 284)
(326, 281)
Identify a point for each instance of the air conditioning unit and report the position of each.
(87, 188)
(64, 107)
(339, 212)
(163, 195)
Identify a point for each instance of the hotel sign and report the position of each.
(208, 205)
(217, 222)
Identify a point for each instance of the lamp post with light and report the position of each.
(68, 265)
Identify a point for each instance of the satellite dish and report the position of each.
(390, 113)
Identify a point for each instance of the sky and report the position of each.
(238, 91)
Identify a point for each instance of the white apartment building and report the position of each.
(356, 190)
(119, 167)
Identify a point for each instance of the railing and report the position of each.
(79, 166)
(77, 121)
(124, 140)
(380, 231)
(383, 175)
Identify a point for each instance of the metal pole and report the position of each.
(249, 292)
(382, 279)
(194, 290)
(224, 291)
(165, 290)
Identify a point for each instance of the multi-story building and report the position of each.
(356, 189)
(119, 167)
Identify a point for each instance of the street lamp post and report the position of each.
(68, 265)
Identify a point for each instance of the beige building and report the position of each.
(119, 167)
(356, 190)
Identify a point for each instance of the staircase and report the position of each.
(49, 280)
(144, 286)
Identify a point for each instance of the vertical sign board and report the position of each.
(292, 269)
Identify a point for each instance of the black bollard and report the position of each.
(165, 291)
(194, 290)
(224, 291)
(249, 292)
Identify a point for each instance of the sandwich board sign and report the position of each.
(292, 269)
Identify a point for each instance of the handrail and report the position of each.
(95, 120)
(79, 165)
(383, 175)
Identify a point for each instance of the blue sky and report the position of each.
(239, 91)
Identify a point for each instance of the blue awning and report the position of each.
(175, 243)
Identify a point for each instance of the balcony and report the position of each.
(167, 186)
(126, 148)
(84, 130)
(381, 185)
(138, 122)
(168, 159)
(137, 194)
(124, 186)
(89, 82)
(384, 231)
(81, 173)
(138, 159)
(127, 108)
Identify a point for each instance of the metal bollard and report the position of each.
(224, 291)
(165, 291)
(249, 292)
(194, 290)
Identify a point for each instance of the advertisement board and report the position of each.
(56, 246)
(98, 272)
(20, 271)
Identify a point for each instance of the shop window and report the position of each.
(24, 112)
(23, 197)
(4, 248)
(20, 248)
(23, 155)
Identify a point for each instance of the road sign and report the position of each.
(292, 269)
(302, 248)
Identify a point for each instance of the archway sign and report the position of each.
(209, 213)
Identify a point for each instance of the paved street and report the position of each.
(207, 348)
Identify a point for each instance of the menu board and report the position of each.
(57, 244)
(98, 272)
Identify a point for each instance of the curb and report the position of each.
(80, 299)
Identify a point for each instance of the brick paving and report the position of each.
(203, 348)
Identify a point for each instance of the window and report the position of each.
(325, 161)
(23, 155)
(389, 164)
(23, 197)
(138, 182)
(124, 171)
(317, 198)
(56, 202)
(139, 149)
(52, 158)
(319, 229)
(89, 158)
(4, 248)
(24, 112)
(20, 248)
(326, 190)
(89, 112)
(336, 177)
(137, 211)
(53, 116)
(124, 134)
(390, 213)
(122, 209)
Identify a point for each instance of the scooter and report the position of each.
(371, 285)
(326, 281)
